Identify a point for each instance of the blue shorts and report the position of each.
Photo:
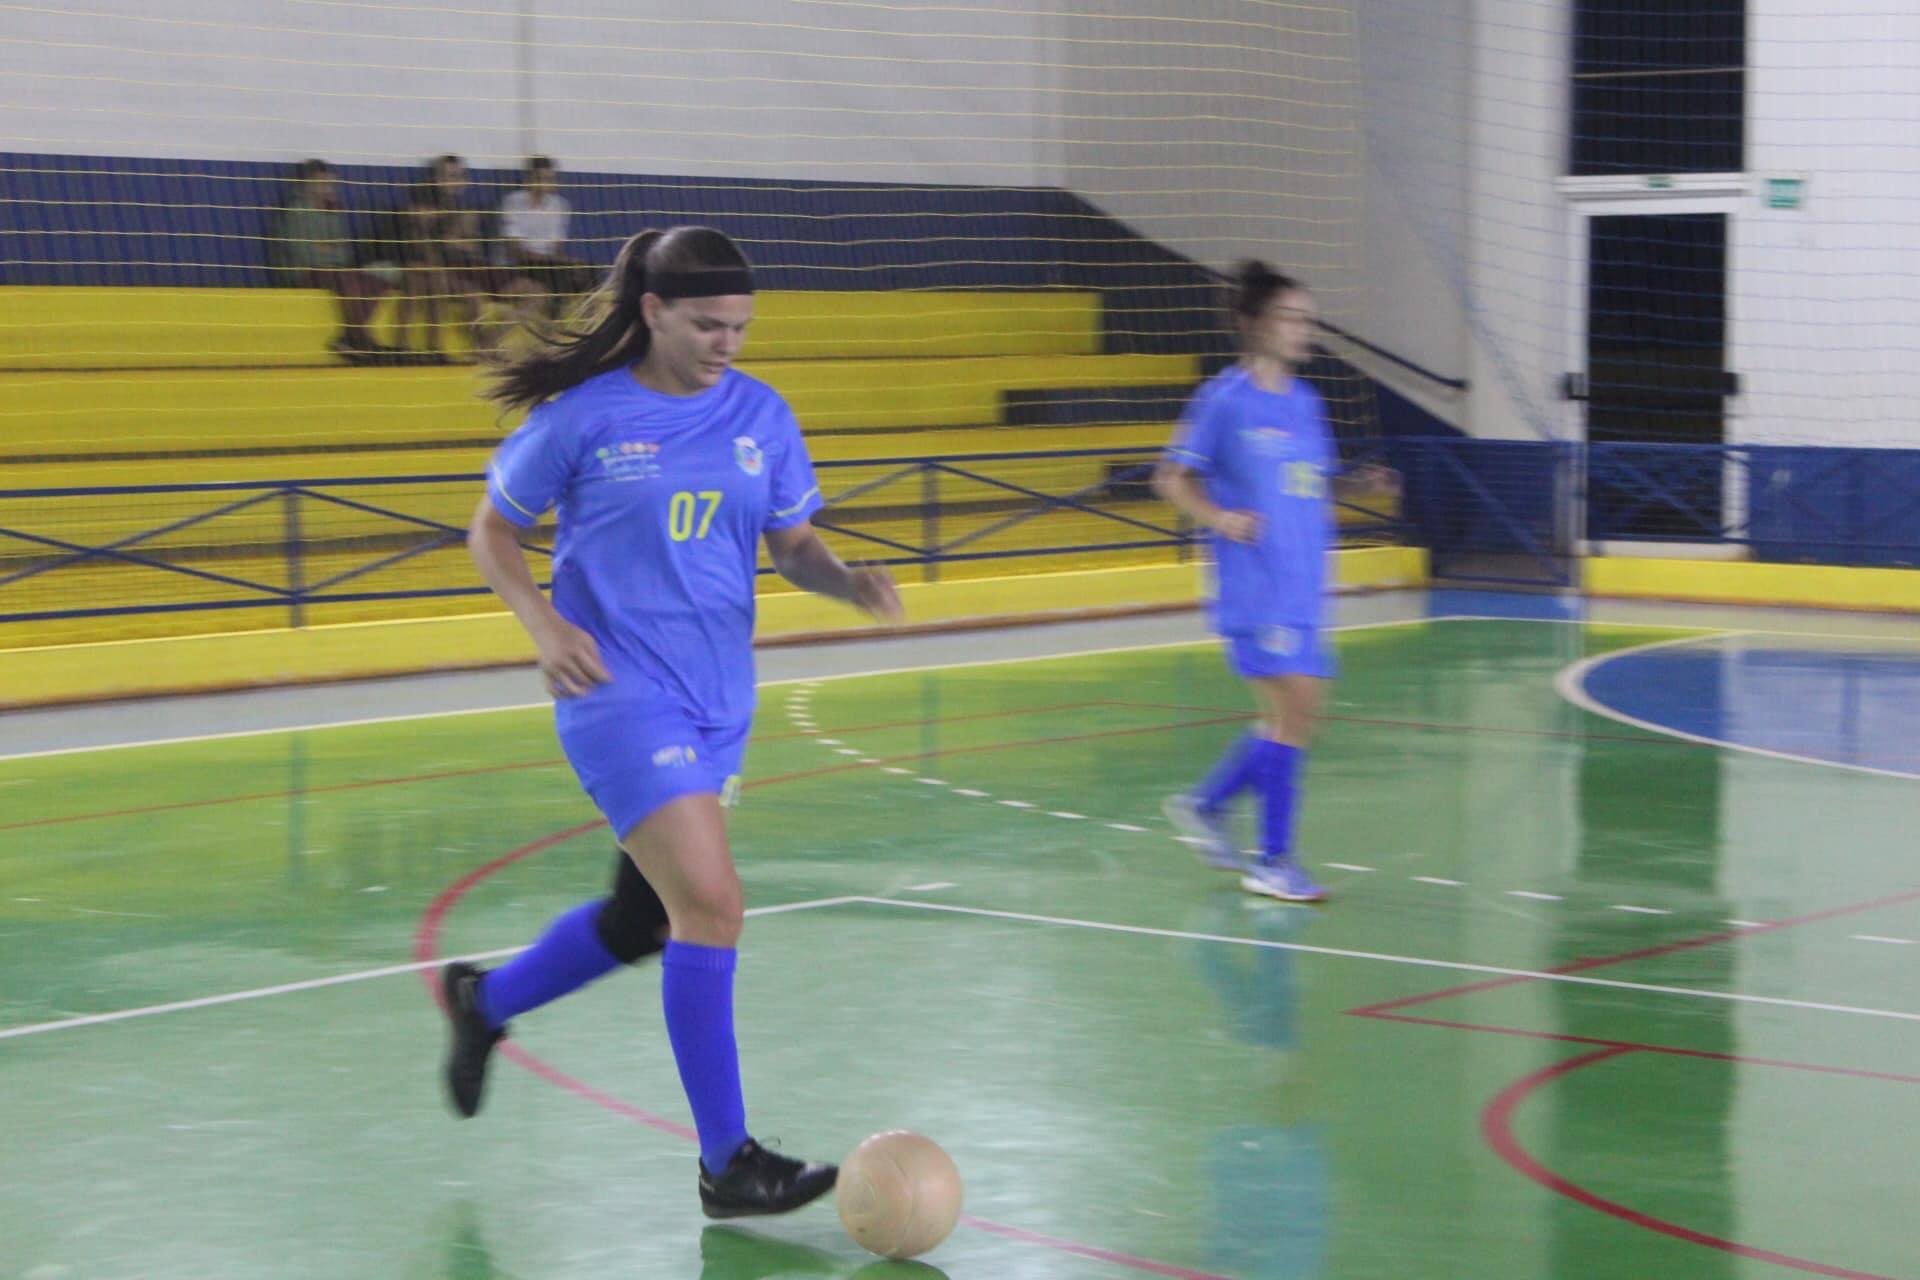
(633, 755)
(1281, 651)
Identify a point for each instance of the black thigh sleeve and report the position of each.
(633, 922)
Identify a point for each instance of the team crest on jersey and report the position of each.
(1267, 440)
(748, 455)
(630, 460)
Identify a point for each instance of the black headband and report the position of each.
(716, 282)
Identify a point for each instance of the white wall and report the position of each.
(1415, 59)
(1826, 321)
(1405, 156)
(747, 87)
(1823, 301)
(1223, 129)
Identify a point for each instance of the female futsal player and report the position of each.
(668, 467)
(1251, 463)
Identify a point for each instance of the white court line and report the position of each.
(1537, 897)
(1571, 684)
(811, 683)
(805, 682)
(1442, 880)
(338, 979)
(1421, 962)
(1874, 937)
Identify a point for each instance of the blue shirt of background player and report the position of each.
(1269, 453)
(662, 502)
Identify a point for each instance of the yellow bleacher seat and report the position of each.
(110, 328)
(192, 411)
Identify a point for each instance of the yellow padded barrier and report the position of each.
(72, 414)
(69, 328)
(274, 656)
(1747, 582)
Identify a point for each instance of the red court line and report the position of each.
(1640, 1046)
(1496, 1126)
(482, 770)
(1444, 726)
(1644, 953)
(922, 721)
(477, 771)
(426, 943)
(1496, 1119)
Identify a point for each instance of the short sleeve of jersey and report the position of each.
(794, 494)
(1197, 438)
(532, 467)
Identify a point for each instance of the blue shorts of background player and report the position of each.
(1281, 651)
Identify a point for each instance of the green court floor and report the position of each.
(1591, 999)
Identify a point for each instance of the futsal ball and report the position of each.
(898, 1194)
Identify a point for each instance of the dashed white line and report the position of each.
(846, 751)
(897, 770)
(930, 782)
(932, 886)
(1537, 897)
(970, 793)
(829, 742)
(1348, 866)
(1125, 826)
(1442, 880)
(1746, 924)
(1062, 813)
(1016, 804)
(1641, 911)
(1874, 937)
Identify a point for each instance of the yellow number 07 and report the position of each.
(682, 509)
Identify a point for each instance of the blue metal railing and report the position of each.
(288, 546)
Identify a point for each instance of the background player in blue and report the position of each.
(1252, 463)
(668, 467)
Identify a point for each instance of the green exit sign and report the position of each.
(1660, 182)
(1786, 193)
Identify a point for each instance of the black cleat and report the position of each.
(472, 1040)
(758, 1181)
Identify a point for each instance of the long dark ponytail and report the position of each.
(613, 329)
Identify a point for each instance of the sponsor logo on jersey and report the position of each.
(1267, 440)
(674, 757)
(630, 460)
(748, 455)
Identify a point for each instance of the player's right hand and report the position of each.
(1237, 526)
(569, 659)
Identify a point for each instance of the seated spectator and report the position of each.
(437, 243)
(533, 235)
(311, 237)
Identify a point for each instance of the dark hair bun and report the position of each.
(1255, 284)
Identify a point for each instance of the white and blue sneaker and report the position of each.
(1286, 880)
(1203, 832)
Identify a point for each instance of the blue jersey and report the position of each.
(662, 500)
(1269, 454)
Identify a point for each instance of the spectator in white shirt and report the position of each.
(533, 235)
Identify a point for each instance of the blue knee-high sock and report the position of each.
(567, 957)
(1230, 775)
(1278, 769)
(696, 986)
